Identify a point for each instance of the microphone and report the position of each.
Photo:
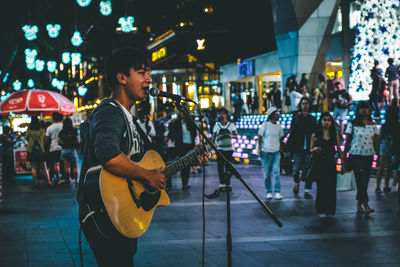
(155, 92)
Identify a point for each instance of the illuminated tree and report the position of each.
(377, 38)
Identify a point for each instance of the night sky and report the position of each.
(236, 29)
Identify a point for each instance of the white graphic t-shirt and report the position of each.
(136, 146)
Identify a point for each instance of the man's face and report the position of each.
(275, 115)
(305, 105)
(339, 86)
(137, 83)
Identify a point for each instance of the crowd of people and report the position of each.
(116, 140)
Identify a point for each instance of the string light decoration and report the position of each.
(30, 32)
(82, 90)
(31, 83)
(76, 58)
(66, 57)
(5, 77)
(30, 56)
(76, 39)
(105, 8)
(51, 66)
(39, 65)
(53, 30)
(57, 83)
(83, 3)
(126, 23)
(377, 38)
(17, 85)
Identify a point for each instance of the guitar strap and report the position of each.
(142, 134)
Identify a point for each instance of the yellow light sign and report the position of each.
(200, 44)
(191, 58)
(159, 54)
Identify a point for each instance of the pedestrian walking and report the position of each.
(301, 129)
(323, 143)
(389, 132)
(362, 143)
(270, 136)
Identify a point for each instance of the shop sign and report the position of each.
(159, 54)
(200, 44)
(245, 69)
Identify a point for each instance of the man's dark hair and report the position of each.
(390, 61)
(122, 60)
(337, 83)
(57, 117)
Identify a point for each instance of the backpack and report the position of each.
(36, 149)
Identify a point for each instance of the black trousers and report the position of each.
(223, 179)
(325, 202)
(362, 171)
(185, 173)
(108, 252)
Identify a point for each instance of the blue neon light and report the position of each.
(126, 23)
(76, 58)
(39, 64)
(53, 30)
(5, 77)
(82, 90)
(17, 85)
(66, 57)
(51, 66)
(76, 39)
(31, 83)
(83, 3)
(105, 8)
(30, 32)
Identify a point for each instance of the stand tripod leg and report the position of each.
(228, 234)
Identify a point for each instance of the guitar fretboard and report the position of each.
(181, 163)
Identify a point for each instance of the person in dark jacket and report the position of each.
(301, 129)
(393, 82)
(183, 133)
(114, 142)
(7, 143)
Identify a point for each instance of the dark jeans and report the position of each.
(299, 160)
(108, 252)
(185, 173)
(362, 171)
(223, 179)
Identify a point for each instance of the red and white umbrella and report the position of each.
(35, 102)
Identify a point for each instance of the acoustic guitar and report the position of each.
(122, 206)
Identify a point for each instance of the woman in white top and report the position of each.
(362, 143)
(269, 140)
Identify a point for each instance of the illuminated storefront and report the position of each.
(179, 67)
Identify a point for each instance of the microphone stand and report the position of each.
(231, 170)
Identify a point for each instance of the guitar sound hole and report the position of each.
(149, 200)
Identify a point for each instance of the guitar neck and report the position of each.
(181, 163)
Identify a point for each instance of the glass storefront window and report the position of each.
(337, 27)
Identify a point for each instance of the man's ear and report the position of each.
(121, 78)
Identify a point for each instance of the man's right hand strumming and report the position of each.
(156, 179)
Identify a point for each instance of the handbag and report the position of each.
(345, 182)
(310, 169)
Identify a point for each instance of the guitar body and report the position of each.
(123, 206)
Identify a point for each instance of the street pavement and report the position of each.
(39, 227)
